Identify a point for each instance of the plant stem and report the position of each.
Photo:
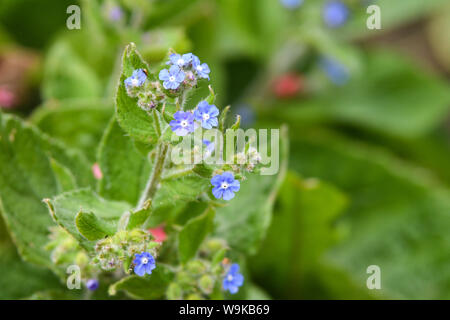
(155, 176)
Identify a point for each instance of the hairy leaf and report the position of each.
(139, 124)
(93, 228)
(77, 122)
(65, 207)
(27, 177)
(125, 170)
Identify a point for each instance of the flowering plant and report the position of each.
(141, 219)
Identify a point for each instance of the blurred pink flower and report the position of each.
(7, 98)
(159, 233)
(96, 171)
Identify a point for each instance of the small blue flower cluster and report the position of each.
(144, 263)
(233, 279)
(336, 72)
(335, 13)
(92, 284)
(291, 4)
(135, 81)
(225, 186)
(205, 113)
(182, 67)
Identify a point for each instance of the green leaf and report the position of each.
(139, 124)
(65, 207)
(65, 179)
(193, 233)
(67, 75)
(20, 279)
(301, 231)
(138, 218)
(125, 170)
(149, 287)
(180, 190)
(398, 218)
(26, 178)
(391, 96)
(77, 122)
(246, 218)
(93, 228)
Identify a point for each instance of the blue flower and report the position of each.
(115, 13)
(247, 114)
(202, 69)
(335, 71)
(183, 123)
(210, 146)
(172, 78)
(92, 284)
(180, 60)
(137, 79)
(291, 4)
(144, 263)
(233, 279)
(335, 14)
(207, 114)
(225, 186)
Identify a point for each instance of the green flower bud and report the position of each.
(196, 267)
(174, 292)
(194, 296)
(206, 284)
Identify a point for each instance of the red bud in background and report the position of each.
(288, 85)
(159, 233)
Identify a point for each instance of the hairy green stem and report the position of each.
(155, 176)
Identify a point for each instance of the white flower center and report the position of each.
(230, 277)
(205, 116)
(144, 260)
(180, 62)
(224, 185)
(172, 79)
(200, 68)
(134, 82)
(184, 123)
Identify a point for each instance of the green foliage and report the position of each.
(64, 178)
(139, 124)
(391, 96)
(20, 279)
(64, 80)
(125, 170)
(301, 232)
(396, 215)
(368, 180)
(93, 228)
(85, 215)
(193, 233)
(149, 287)
(79, 123)
(26, 158)
(244, 222)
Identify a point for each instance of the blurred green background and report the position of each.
(367, 110)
